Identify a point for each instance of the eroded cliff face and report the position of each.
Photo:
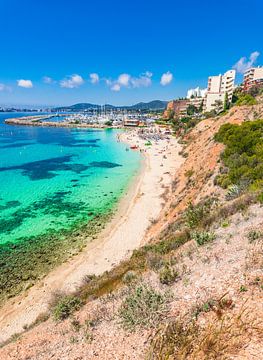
(201, 163)
(169, 108)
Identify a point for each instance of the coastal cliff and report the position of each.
(193, 290)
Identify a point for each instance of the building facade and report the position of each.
(217, 89)
(178, 108)
(253, 77)
(197, 101)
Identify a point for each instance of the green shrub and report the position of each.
(223, 181)
(242, 288)
(203, 237)
(189, 173)
(233, 192)
(204, 307)
(195, 214)
(168, 275)
(243, 154)
(129, 277)
(246, 99)
(225, 223)
(171, 243)
(66, 306)
(143, 307)
(260, 197)
(254, 235)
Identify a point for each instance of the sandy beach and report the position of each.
(126, 231)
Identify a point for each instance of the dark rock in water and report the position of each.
(104, 164)
(10, 204)
(46, 169)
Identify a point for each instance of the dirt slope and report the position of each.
(202, 160)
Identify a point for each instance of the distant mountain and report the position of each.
(77, 107)
(152, 105)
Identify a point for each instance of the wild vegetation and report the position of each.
(188, 340)
(243, 155)
(64, 305)
(143, 307)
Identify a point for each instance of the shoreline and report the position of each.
(125, 232)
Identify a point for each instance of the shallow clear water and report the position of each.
(52, 178)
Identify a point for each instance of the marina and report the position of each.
(84, 120)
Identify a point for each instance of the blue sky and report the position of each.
(55, 45)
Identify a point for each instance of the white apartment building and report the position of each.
(218, 87)
(253, 76)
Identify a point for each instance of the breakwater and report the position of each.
(41, 120)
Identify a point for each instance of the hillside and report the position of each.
(152, 105)
(194, 291)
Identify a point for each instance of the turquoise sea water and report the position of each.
(52, 178)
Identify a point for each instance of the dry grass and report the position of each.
(254, 257)
(142, 259)
(224, 212)
(218, 339)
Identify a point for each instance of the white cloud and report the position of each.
(144, 80)
(115, 87)
(72, 81)
(126, 80)
(94, 78)
(244, 64)
(166, 78)
(48, 80)
(25, 83)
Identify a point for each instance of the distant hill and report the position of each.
(152, 105)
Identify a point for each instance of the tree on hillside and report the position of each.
(191, 110)
(218, 105)
(226, 102)
(170, 114)
(201, 107)
(236, 94)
